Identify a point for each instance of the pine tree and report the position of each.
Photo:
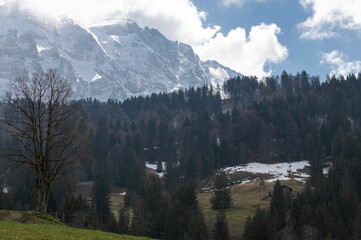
(190, 222)
(79, 212)
(101, 199)
(123, 221)
(141, 221)
(248, 229)
(159, 166)
(153, 195)
(135, 177)
(257, 228)
(316, 167)
(222, 198)
(277, 208)
(357, 225)
(100, 144)
(111, 225)
(220, 229)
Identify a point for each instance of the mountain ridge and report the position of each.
(112, 59)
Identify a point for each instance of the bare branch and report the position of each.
(42, 122)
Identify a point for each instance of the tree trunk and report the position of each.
(42, 194)
(42, 121)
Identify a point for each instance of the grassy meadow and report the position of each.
(15, 225)
(246, 199)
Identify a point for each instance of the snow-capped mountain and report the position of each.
(113, 59)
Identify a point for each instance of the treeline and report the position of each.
(193, 132)
(328, 208)
(286, 118)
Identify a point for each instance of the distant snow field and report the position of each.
(278, 171)
(153, 166)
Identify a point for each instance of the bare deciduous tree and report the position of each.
(44, 125)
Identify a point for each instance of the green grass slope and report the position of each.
(246, 198)
(16, 225)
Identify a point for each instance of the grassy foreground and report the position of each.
(15, 231)
(38, 226)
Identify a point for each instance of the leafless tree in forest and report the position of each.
(44, 124)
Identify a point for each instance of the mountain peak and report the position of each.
(112, 59)
(8, 8)
(13, 9)
(116, 21)
(117, 26)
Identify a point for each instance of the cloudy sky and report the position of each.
(254, 37)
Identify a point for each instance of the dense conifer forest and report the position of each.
(191, 133)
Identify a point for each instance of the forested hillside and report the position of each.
(286, 118)
(190, 134)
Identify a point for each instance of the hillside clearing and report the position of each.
(246, 192)
(16, 225)
(246, 199)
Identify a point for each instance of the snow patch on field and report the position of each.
(153, 166)
(245, 182)
(277, 171)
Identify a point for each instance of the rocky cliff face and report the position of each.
(113, 59)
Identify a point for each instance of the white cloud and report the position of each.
(229, 3)
(238, 3)
(329, 16)
(247, 55)
(178, 20)
(339, 64)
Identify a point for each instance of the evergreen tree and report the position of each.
(220, 229)
(79, 212)
(222, 198)
(357, 225)
(257, 228)
(286, 83)
(153, 195)
(315, 167)
(277, 207)
(248, 230)
(189, 219)
(111, 225)
(101, 199)
(141, 222)
(136, 178)
(101, 144)
(159, 166)
(172, 174)
(123, 221)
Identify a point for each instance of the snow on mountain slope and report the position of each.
(113, 59)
